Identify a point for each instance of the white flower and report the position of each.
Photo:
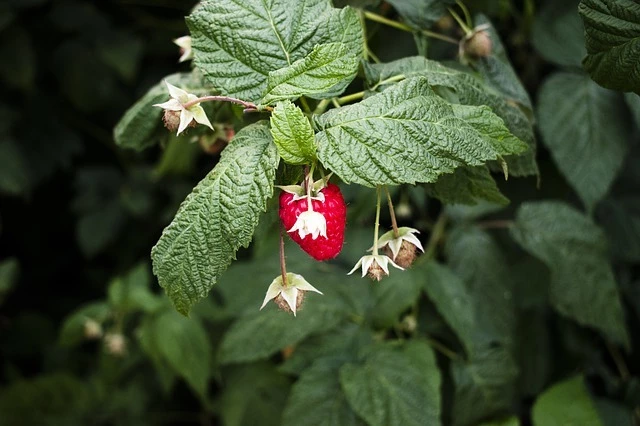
(291, 293)
(194, 112)
(404, 234)
(372, 261)
(310, 222)
(185, 48)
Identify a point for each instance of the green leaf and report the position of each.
(14, 172)
(462, 88)
(237, 44)
(612, 29)
(498, 71)
(72, 331)
(421, 14)
(558, 33)
(132, 293)
(395, 294)
(395, 386)
(179, 156)
(476, 258)
(324, 73)
(582, 283)
(259, 334)
(141, 125)
(405, 134)
(511, 421)
(484, 386)
(633, 102)
(217, 218)
(586, 129)
(292, 134)
(566, 403)
(254, 394)
(341, 345)
(317, 399)
(184, 345)
(9, 270)
(491, 127)
(467, 185)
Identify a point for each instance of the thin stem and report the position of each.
(350, 98)
(322, 106)
(392, 213)
(443, 349)
(392, 79)
(467, 15)
(283, 263)
(309, 182)
(305, 105)
(250, 106)
(460, 22)
(495, 224)
(436, 236)
(400, 26)
(335, 102)
(376, 227)
(619, 361)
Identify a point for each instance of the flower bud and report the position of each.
(92, 329)
(478, 45)
(115, 344)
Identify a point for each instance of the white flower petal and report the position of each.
(356, 267)
(177, 93)
(395, 245)
(171, 105)
(367, 261)
(184, 42)
(272, 292)
(200, 116)
(310, 222)
(413, 240)
(290, 295)
(383, 262)
(185, 118)
(299, 282)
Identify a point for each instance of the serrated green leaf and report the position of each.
(582, 283)
(217, 218)
(491, 127)
(141, 125)
(292, 134)
(9, 270)
(558, 33)
(467, 90)
(317, 399)
(324, 73)
(395, 386)
(421, 14)
(467, 185)
(238, 43)
(612, 30)
(259, 334)
(586, 129)
(72, 330)
(254, 394)
(184, 345)
(566, 403)
(497, 69)
(405, 134)
(484, 386)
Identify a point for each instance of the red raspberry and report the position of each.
(334, 211)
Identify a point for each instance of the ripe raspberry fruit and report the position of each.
(334, 211)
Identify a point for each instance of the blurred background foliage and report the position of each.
(86, 337)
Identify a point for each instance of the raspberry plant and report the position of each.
(444, 205)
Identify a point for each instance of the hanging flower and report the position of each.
(288, 297)
(310, 222)
(186, 52)
(403, 247)
(175, 105)
(375, 265)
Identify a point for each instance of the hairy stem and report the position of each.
(249, 106)
(392, 213)
(283, 263)
(376, 226)
(403, 27)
